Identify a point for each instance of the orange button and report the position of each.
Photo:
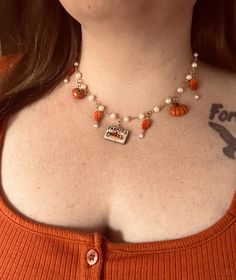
(92, 257)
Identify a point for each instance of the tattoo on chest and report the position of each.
(219, 114)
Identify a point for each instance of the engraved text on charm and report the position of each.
(116, 134)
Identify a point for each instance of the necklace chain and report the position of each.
(118, 133)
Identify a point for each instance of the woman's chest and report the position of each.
(175, 182)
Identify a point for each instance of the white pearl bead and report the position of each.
(195, 54)
(82, 86)
(66, 81)
(126, 119)
(189, 77)
(95, 125)
(180, 90)
(196, 96)
(141, 116)
(101, 108)
(91, 97)
(76, 64)
(113, 115)
(141, 136)
(194, 65)
(168, 100)
(78, 75)
(156, 109)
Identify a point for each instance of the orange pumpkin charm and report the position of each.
(178, 110)
(98, 115)
(146, 124)
(78, 93)
(193, 84)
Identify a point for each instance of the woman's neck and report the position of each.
(132, 65)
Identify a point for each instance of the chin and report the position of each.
(102, 10)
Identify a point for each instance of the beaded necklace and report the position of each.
(118, 134)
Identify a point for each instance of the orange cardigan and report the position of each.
(31, 250)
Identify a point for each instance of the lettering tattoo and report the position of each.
(223, 116)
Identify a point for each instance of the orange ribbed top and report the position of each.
(31, 250)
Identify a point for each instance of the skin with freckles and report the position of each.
(176, 181)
